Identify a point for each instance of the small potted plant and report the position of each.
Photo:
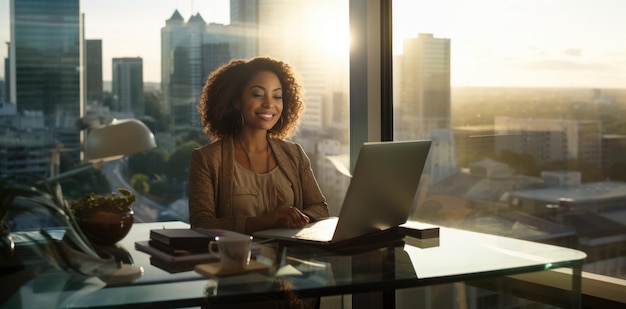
(22, 194)
(105, 219)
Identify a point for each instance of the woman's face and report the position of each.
(262, 101)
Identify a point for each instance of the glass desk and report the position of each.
(456, 256)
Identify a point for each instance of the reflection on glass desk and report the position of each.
(455, 256)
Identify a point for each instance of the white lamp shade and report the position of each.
(117, 139)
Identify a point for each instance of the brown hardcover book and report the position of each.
(203, 257)
(176, 252)
(184, 239)
(172, 267)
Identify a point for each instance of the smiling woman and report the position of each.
(250, 178)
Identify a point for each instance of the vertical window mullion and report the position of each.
(386, 71)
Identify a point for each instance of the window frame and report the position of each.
(371, 84)
(371, 106)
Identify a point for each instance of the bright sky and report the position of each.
(130, 28)
(572, 43)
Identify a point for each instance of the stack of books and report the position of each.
(178, 250)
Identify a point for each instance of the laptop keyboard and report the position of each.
(320, 230)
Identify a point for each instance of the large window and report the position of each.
(148, 60)
(522, 101)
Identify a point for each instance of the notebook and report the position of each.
(379, 197)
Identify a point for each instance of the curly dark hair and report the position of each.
(224, 86)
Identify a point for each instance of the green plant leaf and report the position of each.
(50, 197)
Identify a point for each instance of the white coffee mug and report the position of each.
(233, 251)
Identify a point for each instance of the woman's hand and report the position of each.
(289, 217)
(280, 217)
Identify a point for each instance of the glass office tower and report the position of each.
(45, 59)
(190, 50)
(423, 87)
(423, 101)
(128, 86)
(93, 70)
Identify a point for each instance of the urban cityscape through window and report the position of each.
(523, 100)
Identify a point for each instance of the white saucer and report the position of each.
(215, 270)
(125, 274)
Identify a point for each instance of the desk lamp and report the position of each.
(110, 142)
(118, 139)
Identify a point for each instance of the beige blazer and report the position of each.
(211, 181)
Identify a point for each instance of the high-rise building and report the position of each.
(422, 100)
(26, 152)
(44, 59)
(93, 70)
(190, 51)
(422, 76)
(244, 25)
(128, 86)
(244, 12)
(5, 83)
(294, 31)
(3, 97)
(613, 149)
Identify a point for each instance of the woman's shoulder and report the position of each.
(211, 148)
(291, 149)
(288, 146)
(210, 145)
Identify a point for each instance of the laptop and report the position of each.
(379, 197)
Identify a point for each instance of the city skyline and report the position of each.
(130, 37)
(558, 43)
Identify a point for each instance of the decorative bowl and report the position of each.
(105, 228)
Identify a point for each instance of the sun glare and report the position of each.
(328, 29)
(336, 38)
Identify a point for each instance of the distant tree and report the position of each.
(155, 119)
(140, 183)
(91, 180)
(196, 136)
(612, 120)
(177, 168)
(164, 191)
(150, 162)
